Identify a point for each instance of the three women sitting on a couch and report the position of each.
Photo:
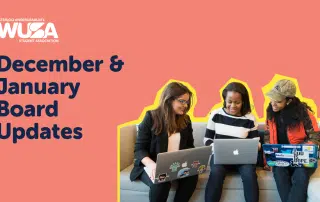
(168, 128)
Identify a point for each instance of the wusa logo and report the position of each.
(35, 31)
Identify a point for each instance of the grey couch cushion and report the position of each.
(126, 184)
(232, 180)
(199, 130)
(313, 189)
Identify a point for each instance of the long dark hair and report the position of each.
(239, 88)
(292, 114)
(164, 116)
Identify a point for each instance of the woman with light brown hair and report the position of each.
(165, 129)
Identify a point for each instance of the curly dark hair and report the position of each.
(293, 114)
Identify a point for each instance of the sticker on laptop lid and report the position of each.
(290, 146)
(202, 169)
(184, 172)
(195, 164)
(174, 167)
(284, 155)
(308, 148)
(162, 177)
(280, 163)
(184, 164)
(300, 157)
(271, 163)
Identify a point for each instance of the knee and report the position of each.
(217, 173)
(249, 174)
(161, 186)
(301, 177)
(275, 173)
(190, 180)
(250, 177)
(217, 169)
(193, 179)
(278, 171)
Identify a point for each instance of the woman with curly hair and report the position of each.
(289, 120)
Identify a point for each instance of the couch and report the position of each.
(232, 188)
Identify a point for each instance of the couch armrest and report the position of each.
(128, 135)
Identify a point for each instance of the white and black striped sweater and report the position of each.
(223, 126)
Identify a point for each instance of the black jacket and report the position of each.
(149, 144)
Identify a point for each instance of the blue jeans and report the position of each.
(217, 174)
(292, 183)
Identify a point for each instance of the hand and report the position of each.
(259, 145)
(152, 167)
(267, 127)
(267, 168)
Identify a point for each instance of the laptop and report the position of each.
(235, 151)
(286, 155)
(181, 164)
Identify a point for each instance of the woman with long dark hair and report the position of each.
(289, 120)
(167, 128)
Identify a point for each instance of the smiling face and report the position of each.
(233, 103)
(180, 104)
(278, 105)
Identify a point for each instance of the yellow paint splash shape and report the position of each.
(265, 89)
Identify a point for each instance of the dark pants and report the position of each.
(160, 192)
(217, 174)
(292, 183)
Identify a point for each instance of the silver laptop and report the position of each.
(235, 151)
(182, 163)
